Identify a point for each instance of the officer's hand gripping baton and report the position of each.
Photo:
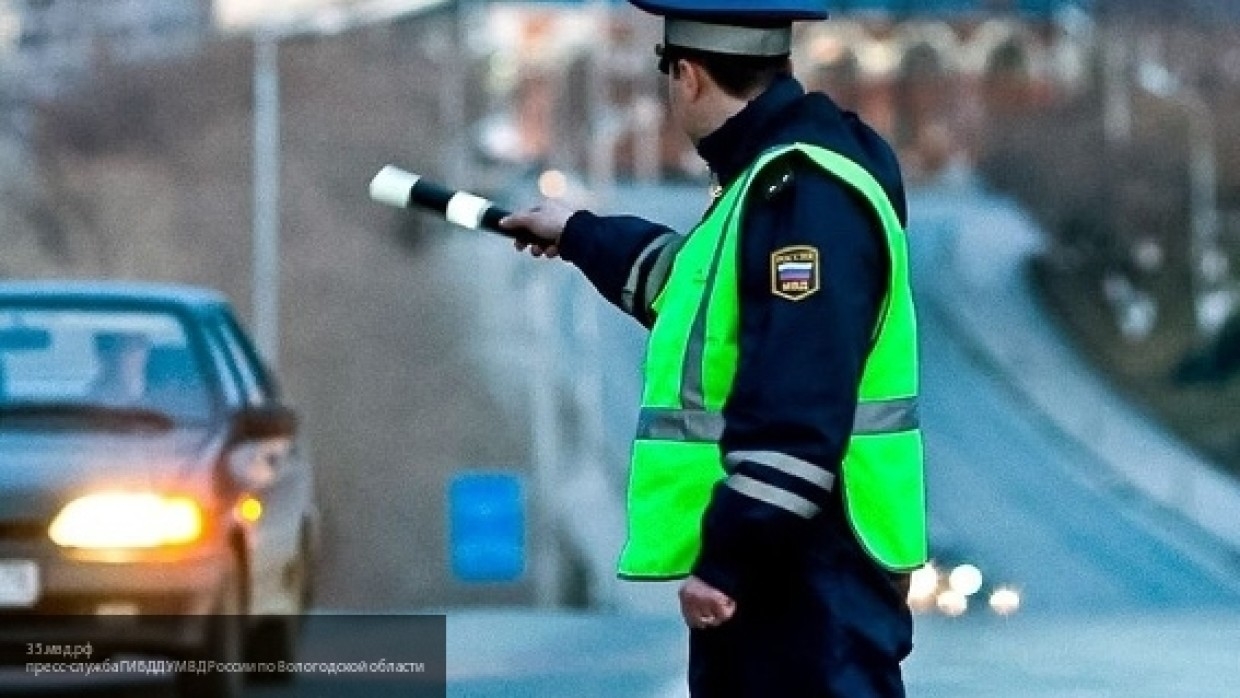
(396, 187)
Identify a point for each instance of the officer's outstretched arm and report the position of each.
(625, 257)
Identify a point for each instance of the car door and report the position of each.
(271, 469)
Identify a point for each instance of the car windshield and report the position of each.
(92, 364)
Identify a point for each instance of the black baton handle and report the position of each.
(396, 187)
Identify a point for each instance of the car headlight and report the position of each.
(923, 585)
(1005, 601)
(127, 520)
(965, 580)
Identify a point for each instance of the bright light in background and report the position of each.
(878, 58)
(553, 184)
(1005, 601)
(923, 585)
(965, 580)
(952, 603)
(127, 520)
(117, 608)
(933, 590)
(250, 509)
(826, 49)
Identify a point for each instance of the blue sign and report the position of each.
(486, 527)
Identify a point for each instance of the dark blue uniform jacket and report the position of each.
(800, 362)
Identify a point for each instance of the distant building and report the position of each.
(932, 74)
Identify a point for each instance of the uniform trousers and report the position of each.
(827, 624)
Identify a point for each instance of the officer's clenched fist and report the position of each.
(704, 606)
(546, 220)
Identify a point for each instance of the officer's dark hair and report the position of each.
(738, 76)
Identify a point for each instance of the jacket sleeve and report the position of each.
(790, 413)
(628, 259)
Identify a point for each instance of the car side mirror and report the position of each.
(266, 422)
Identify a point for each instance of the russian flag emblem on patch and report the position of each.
(794, 272)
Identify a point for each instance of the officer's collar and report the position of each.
(737, 143)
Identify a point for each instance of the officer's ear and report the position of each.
(690, 77)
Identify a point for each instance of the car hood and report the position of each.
(40, 471)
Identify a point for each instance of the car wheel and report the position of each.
(223, 644)
(274, 640)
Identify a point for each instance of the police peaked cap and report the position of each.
(736, 27)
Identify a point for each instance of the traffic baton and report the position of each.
(396, 187)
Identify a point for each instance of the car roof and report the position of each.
(93, 291)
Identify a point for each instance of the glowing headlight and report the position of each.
(924, 584)
(952, 603)
(965, 579)
(1005, 601)
(249, 509)
(127, 520)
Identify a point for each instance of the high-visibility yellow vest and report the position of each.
(691, 361)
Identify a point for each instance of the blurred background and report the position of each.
(1075, 178)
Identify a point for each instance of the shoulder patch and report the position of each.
(794, 272)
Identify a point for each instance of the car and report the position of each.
(155, 493)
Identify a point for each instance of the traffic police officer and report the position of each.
(778, 464)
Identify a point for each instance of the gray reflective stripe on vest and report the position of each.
(692, 394)
(773, 495)
(667, 424)
(886, 416)
(784, 463)
(657, 246)
(873, 417)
